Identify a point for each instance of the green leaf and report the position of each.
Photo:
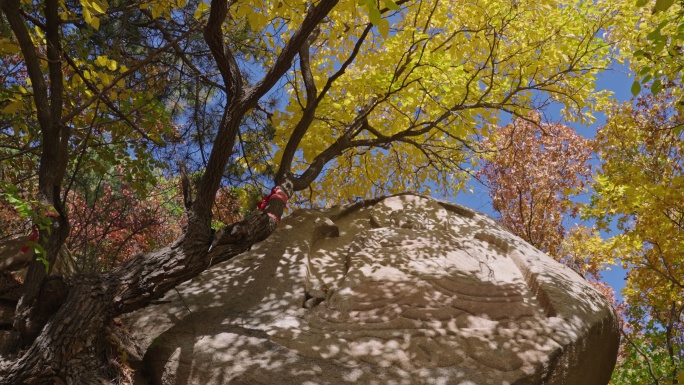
(374, 15)
(641, 3)
(383, 28)
(636, 88)
(391, 5)
(662, 5)
(654, 35)
(678, 129)
(39, 252)
(656, 87)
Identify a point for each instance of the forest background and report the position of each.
(138, 138)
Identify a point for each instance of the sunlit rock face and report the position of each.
(398, 290)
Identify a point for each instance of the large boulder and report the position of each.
(398, 290)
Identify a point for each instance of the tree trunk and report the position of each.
(71, 347)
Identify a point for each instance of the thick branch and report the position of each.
(185, 184)
(54, 56)
(53, 159)
(148, 277)
(305, 65)
(141, 279)
(342, 143)
(40, 94)
(213, 35)
(240, 100)
(311, 105)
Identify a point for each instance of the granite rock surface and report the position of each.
(397, 290)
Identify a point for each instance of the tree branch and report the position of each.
(310, 110)
(180, 53)
(241, 100)
(335, 149)
(213, 35)
(54, 57)
(131, 70)
(646, 358)
(11, 10)
(284, 60)
(108, 102)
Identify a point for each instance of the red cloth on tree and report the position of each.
(276, 193)
(32, 238)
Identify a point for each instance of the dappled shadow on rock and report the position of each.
(403, 290)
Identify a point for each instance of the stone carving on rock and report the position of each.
(404, 289)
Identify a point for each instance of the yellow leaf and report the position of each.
(87, 16)
(96, 6)
(7, 46)
(157, 10)
(13, 107)
(253, 20)
(105, 77)
(101, 61)
(111, 65)
(201, 8)
(383, 27)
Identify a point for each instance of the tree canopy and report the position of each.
(531, 172)
(639, 188)
(139, 136)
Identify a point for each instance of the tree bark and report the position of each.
(54, 155)
(70, 348)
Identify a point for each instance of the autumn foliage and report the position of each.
(531, 171)
(101, 101)
(639, 190)
(111, 224)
